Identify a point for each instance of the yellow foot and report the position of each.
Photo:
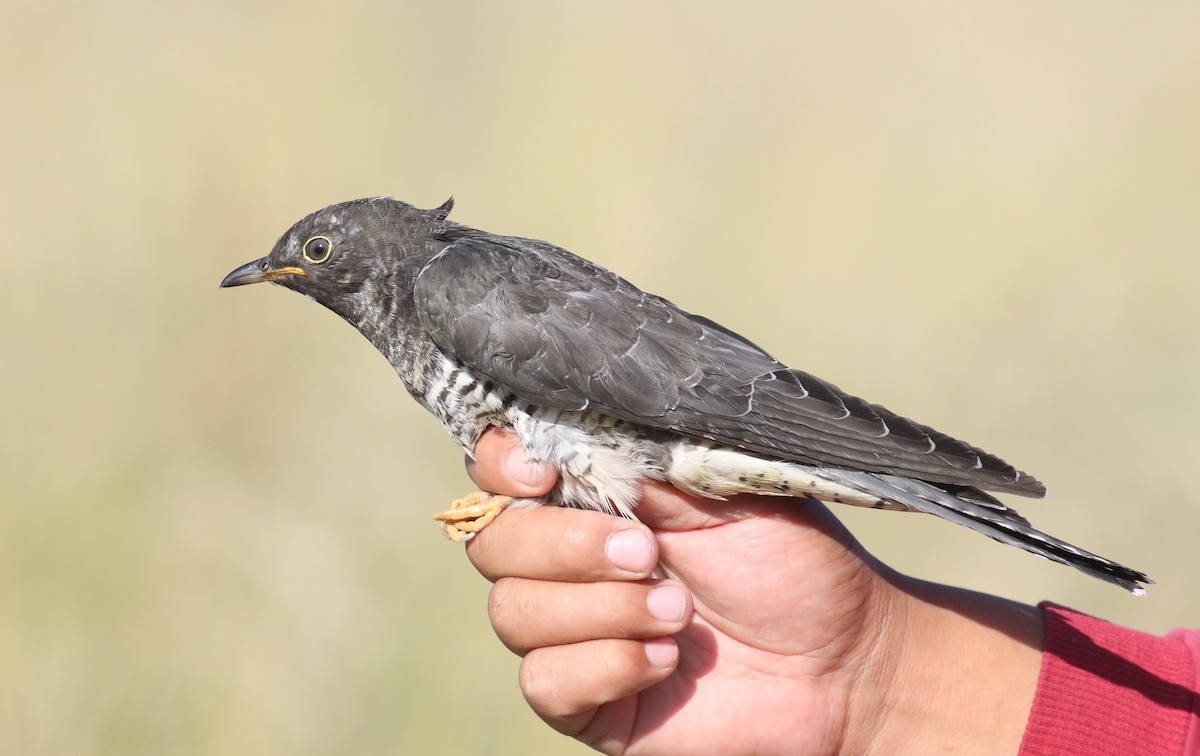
(471, 514)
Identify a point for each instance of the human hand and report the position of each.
(776, 631)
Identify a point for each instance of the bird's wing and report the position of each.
(564, 333)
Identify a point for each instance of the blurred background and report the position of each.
(215, 531)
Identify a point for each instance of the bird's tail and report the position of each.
(981, 513)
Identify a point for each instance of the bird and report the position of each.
(614, 386)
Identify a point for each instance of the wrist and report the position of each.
(949, 669)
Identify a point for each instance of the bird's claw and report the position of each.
(471, 514)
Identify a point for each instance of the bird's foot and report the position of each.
(471, 514)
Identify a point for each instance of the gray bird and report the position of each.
(613, 385)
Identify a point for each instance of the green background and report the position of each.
(215, 532)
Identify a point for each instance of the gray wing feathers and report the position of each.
(562, 332)
(519, 320)
(997, 522)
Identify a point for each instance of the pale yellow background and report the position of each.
(215, 532)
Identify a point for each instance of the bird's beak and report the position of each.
(257, 271)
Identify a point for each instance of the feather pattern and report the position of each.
(613, 385)
(513, 309)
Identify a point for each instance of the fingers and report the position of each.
(573, 545)
(566, 684)
(571, 595)
(500, 466)
(529, 614)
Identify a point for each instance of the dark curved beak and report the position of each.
(257, 271)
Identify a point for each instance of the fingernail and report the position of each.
(667, 603)
(630, 550)
(521, 469)
(661, 652)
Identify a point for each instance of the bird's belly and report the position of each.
(602, 462)
(717, 471)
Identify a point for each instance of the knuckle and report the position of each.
(560, 683)
(499, 599)
(484, 554)
(555, 697)
(538, 688)
(504, 610)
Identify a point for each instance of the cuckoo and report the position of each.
(613, 385)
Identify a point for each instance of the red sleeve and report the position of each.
(1108, 689)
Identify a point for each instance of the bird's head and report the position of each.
(345, 255)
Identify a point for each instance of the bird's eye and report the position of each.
(317, 249)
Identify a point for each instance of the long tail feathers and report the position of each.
(1003, 525)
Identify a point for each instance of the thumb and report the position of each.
(500, 466)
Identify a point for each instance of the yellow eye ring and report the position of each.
(317, 249)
